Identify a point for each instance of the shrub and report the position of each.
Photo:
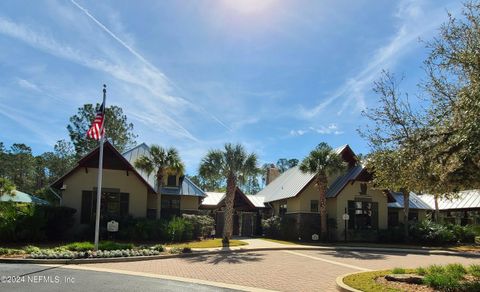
(421, 271)
(142, 229)
(464, 234)
(175, 250)
(180, 229)
(67, 254)
(10, 251)
(110, 245)
(186, 249)
(391, 235)
(158, 247)
(474, 270)
(456, 269)
(79, 246)
(31, 249)
(398, 271)
(202, 225)
(271, 227)
(28, 222)
(432, 233)
(442, 281)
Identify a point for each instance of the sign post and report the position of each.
(345, 218)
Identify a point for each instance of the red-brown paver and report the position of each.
(280, 270)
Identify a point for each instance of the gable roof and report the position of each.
(187, 187)
(415, 202)
(214, 199)
(468, 199)
(293, 181)
(112, 159)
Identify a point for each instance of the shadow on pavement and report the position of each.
(39, 271)
(356, 255)
(227, 257)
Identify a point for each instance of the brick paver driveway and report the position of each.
(282, 270)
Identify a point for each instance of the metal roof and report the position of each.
(257, 201)
(337, 186)
(188, 188)
(287, 185)
(468, 199)
(214, 198)
(21, 197)
(416, 202)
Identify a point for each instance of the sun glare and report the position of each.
(249, 6)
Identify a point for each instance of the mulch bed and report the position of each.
(403, 286)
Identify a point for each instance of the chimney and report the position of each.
(272, 173)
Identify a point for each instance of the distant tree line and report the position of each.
(34, 173)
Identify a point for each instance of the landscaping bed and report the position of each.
(452, 277)
(108, 249)
(79, 250)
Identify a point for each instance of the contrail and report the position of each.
(145, 61)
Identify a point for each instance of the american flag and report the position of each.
(97, 130)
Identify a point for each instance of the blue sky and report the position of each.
(278, 76)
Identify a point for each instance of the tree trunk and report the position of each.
(406, 210)
(159, 192)
(228, 214)
(322, 187)
(437, 210)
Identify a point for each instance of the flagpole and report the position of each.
(100, 172)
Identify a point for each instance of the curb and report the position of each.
(341, 286)
(210, 252)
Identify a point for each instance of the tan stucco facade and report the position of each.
(336, 206)
(189, 203)
(85, 179)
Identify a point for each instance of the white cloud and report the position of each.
(331, 129)
(27, 85)
(414, 22)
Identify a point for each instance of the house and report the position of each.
(464, 209)
(294, 196)
(126, 191)
(418, 209)
(248, 212)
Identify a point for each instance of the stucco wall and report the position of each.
(189, 203)
(352, 192)
(116, 179)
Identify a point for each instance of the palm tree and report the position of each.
(322, 162)
(162, 161)
(234, 165)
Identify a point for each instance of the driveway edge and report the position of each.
(341, 286)
(209, 252)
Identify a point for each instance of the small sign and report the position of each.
(346, 217)
(315, 237)
(112, 226)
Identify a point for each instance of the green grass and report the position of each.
(208, 243)
(474, 270)
(442, 278)
(366, 281)
(102, 245)
(398, 271)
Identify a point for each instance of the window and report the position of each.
(314, 206)
(170, 206)
(151, 213)
(172, 181)
(413, 216)
(86, 211)
(114, 205)
(393, 218)
(363, 215)
(282, 209)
